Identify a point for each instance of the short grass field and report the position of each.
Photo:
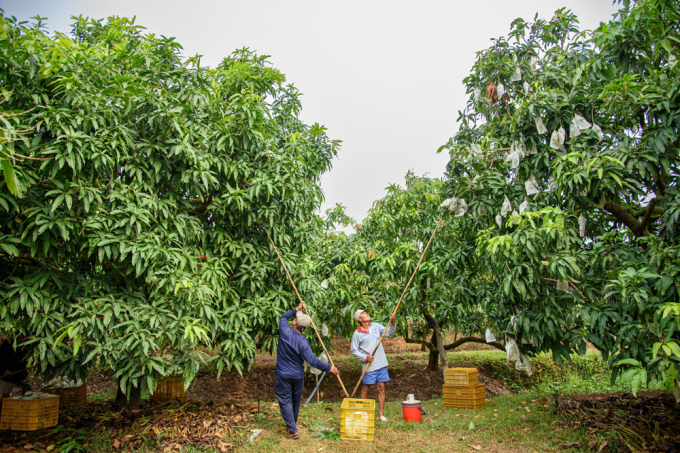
(507, 424)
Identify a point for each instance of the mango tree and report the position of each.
(567, 156)
(131, 234)
(370, 269)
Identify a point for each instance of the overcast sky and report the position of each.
(385, 77)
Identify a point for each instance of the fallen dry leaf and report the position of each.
(527, 409)
(28, 447)
(571, 445)
(555, 430)
(461, 438)
(476, 447)
(460, 415)
(604, 444)
(116, 444)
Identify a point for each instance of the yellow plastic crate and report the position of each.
(29, 415)
(461, 376)
(464, 396)
(69, 397)
(357, 419)
(170, 389)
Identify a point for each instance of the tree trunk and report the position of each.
(135, 398)
(424, 348)
(433, 358)
(440, 346)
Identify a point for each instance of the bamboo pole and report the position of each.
(305, 308)
(399, 303)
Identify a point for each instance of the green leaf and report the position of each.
(675, 348)
(76, 344)
(666, 44)
(628, 362)
(10, 177)
(669, 377)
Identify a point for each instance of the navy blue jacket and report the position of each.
(292, 350)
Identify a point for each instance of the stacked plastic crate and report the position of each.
(462, 389)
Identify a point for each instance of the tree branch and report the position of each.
(462, 341)
(427, 344)
(648, 214)
(37, 262)
(570, 284)
(204, 205)
(627, 219)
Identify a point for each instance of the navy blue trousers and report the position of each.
(289, 393)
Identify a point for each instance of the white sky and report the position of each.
(385, 77)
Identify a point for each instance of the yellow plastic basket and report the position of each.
(357, 419)
(69, 397)
(29, 415)
(464, 396)
(170, 389)
(461, 376)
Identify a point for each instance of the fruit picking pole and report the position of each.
(19, 371)
(399, 303)
(305, 307)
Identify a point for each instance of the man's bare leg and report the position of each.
(381, 397)
(364, 391)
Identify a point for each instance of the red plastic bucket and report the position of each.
(413, 411)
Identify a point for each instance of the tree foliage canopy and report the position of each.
(371, 268)
(575, 134)
(135, 184)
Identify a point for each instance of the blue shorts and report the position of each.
(380, 375)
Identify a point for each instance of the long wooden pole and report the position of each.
(305, 307)
(399, 303)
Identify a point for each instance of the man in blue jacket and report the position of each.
(293, 349)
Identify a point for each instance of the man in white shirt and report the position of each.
(364, 341)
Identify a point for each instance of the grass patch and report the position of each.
(583, 374)
(508, 424)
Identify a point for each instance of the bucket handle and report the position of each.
(422, 411)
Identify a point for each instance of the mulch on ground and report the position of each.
(649, 422)
(165, 427)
